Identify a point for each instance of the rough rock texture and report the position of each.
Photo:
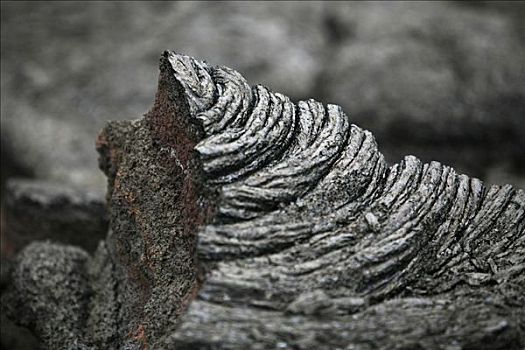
(440, 80)
(307, 238)
(39, 210)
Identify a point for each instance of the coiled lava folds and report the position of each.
(243, 220)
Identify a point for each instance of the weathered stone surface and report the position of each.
(57, 279)
(318, 243)
(36, 210)
(39, 210)
(307, 238)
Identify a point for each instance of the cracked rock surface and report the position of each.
(240, 219)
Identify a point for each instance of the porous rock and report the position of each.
(240, 219)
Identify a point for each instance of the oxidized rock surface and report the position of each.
(240, 219)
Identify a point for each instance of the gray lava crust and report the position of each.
(242, 220)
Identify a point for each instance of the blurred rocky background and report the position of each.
(440, 80)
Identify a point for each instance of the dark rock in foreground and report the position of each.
(307, 238)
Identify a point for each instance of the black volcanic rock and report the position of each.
(239, 219)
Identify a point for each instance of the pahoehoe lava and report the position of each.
(240, 219)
